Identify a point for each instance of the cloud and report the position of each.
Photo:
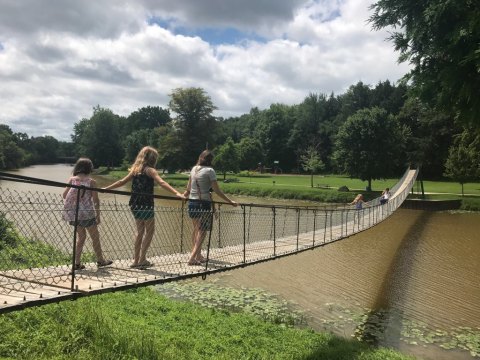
(62, 58)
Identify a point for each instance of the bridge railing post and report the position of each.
(219, 225)
(244, 235)
(74, 250)
(182, 226)
(274, 232)
(298, 226)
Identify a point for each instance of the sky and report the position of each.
(61, 58)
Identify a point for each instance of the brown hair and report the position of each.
(148, 156)
(83, 166)
(205, 158)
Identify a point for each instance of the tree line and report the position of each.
(369, 132)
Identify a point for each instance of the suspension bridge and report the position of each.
(37, 247)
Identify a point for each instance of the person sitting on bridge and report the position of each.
(143, 175)
(385, 196)
(88, 216)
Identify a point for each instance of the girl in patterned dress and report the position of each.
(88, 216)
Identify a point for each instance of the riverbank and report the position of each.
(297, 187)
(141, 324)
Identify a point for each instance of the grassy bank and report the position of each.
(141, 324)
(325, 188)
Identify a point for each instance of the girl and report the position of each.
(202, 178)
(358, 202)
(143, 175)
(88, 211)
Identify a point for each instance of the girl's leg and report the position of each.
(81, 236)
(197, 247)
(138, 240)
(147, 240)
(97, 247)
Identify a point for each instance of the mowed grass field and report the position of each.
(335, 181)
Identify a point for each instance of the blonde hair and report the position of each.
(357, 198)
(148, 156)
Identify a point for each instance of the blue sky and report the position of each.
(60, 58)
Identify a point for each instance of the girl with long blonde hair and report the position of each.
(143, 176)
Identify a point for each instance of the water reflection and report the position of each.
(415, 273)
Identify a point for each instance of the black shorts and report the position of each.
(202, 210)
(84, 223)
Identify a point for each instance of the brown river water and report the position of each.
(414, 278)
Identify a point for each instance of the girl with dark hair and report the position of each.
(88, 216)
(202, 179)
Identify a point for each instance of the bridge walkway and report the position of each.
(240, 236)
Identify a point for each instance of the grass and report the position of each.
(325, 187)
(141, 324)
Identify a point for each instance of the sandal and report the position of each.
(144, 264)
(104, 263)
(79, 266)
(194, 263)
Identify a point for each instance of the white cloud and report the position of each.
(58, 59)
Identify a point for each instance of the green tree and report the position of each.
(194, 124)
(431, 136)
(44, 149)
(11, 155)
(463, 162)
(369, 145)
(273, 132)
(311, 162)
(440, 40)
(148, 117)
(99, 138)
(226, 158)
(250, 153)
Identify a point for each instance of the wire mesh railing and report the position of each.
(38, 247)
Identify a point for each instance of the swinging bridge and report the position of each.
(37, 247)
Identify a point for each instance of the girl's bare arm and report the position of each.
(120, 182)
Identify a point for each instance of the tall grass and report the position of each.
(140, 324)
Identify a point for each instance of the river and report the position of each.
(414, 278)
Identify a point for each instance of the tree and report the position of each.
(250, 153)
(369, 145)
(226, 158)
(431, 136)
(98, 138)
(463, 162)
(311, 162)
(273, 133)
(194, 124)
(11, 155)
(149, 117)
(440, 40)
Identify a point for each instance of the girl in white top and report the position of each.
(202, 178)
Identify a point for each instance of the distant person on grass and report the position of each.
(88, 216)
(143, 175)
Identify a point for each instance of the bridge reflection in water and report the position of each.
(44, 271)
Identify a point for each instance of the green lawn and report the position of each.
(325, 186)
(335, 181)
(141, 324)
